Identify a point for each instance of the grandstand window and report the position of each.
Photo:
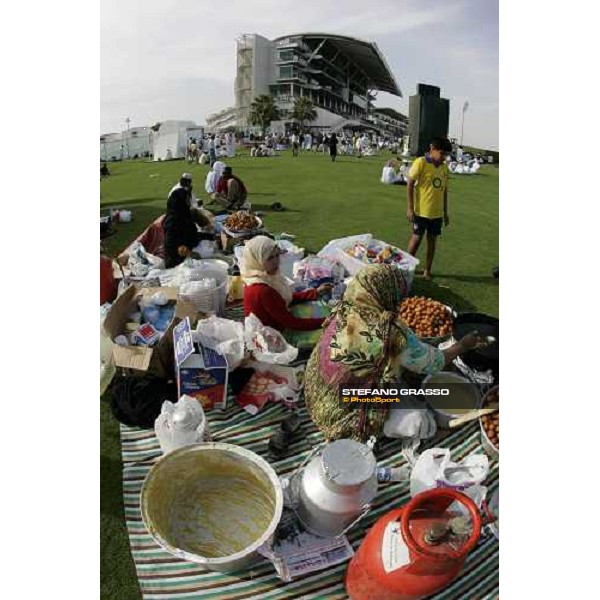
(285, 72)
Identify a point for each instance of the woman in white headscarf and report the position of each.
(267, 293)
(213, 177)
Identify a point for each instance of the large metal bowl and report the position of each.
(471, 400)
(489, 448)
(213, 504)
(243, 232)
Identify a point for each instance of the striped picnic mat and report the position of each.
(162, 576)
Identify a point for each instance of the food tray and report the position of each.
(489, 448)
(243, 232)
(437, 340)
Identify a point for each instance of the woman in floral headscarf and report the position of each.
(366, 343)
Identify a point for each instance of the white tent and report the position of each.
(170, 141)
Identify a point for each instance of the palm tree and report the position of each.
(263, 111)
(304, 110)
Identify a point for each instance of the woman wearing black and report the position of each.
(333, 142)
(181, 233)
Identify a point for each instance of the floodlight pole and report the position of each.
(462, 126)
(128, 120)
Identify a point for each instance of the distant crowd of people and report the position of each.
(208, 149)
(346, 142)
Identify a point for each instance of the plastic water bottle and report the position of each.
(389, 474)
(337, 292)
(337, 273)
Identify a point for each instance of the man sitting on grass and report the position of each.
(231, 193)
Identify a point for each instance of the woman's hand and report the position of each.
(468, 342)
(324, 289)
(183, 251)
(471, 341)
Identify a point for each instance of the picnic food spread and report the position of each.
(241, 221)
(218, 505)
(426, 317)
(491, 423)
(388, 255)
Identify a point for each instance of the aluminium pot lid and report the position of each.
(346, 462)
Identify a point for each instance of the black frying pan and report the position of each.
(486, 325)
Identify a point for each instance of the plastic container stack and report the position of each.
(207, 290)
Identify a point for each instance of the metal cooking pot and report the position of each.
(444, 413)
(480, 359)
(213, 504)
(335, 489)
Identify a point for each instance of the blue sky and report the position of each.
(175, 59)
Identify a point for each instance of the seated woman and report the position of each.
(366, 342)
(267, 293)
(181, 233)
(213, 177)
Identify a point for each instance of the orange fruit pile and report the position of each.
(426, 317)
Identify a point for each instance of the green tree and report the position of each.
(304, 111)
(263, 111)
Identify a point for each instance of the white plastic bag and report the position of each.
(434, 468)
(266, 343)
(224, 336)
(288, 392)
(140, 262)
(107, 366)
(180, 424)
(413, 421)
(314, 268)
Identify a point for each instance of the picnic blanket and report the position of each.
(162, 576)
(307, 310)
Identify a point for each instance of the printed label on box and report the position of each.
(182, 341)
(204, 376)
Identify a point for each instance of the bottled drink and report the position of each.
(388, 474)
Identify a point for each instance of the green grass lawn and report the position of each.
(323, 200)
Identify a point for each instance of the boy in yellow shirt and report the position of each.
(427, 198)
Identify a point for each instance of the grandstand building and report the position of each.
(222, 120)
(339, 74)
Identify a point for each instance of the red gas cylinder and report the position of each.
(108, 285)
(415, 550)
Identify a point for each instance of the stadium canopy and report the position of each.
(365, 55)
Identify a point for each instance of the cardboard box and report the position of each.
(202, 373)
(159, 359)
